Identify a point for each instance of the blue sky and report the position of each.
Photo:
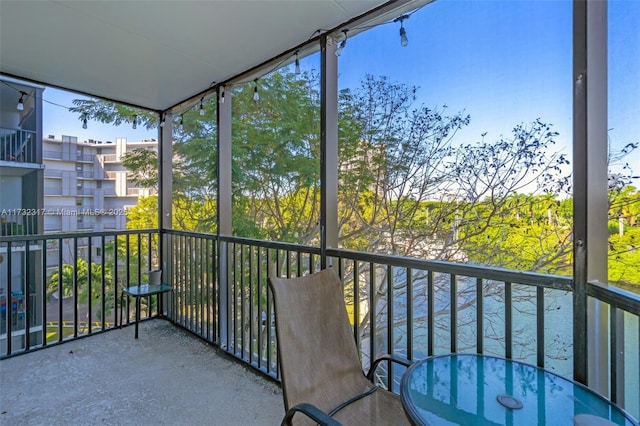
(58, 121)
(624, 76)
(502, 62)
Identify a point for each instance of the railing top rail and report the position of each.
(79, 234)
(484, 272)
(270, 244)
(18, 130)
(190, 233)
(618, 297)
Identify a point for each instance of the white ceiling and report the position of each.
(157, 53)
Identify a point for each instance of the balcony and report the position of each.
(110, 158)
(570, 324)
(23, 221)
(18, 147)
(395, 304)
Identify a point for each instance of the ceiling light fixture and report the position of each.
(342, 44)
(20, 106)
(404, 41)
(256, 95)
(84, 120)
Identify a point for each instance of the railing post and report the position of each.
(37, 151)
(224, 208)
(590, 322)
(165, 198)
(328, 148)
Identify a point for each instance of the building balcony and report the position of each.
(19, 221)
(395, 304)
(110, 158)
(52, 155)
(18, 148)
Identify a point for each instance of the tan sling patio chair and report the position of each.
(321, 372)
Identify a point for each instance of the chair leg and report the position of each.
(121, 303)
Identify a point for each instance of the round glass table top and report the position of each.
(483, 390)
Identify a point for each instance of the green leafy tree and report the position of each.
(624, 238)
(143, 167)
(276, 158)
(143, 215)
(407, 189)
(113, 112)
(85, 296)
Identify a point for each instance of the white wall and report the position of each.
(11, 194)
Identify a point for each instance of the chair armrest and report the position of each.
(389, 357)
(310, 411)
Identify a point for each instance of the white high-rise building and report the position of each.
(86, 187)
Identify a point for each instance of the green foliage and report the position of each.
(194, 214)
(143, 166)
(188, 214)
(143, 215)
(624, 236)
(406, 188)
(112, 112)
(624, 257)
(528, 233)
(276, 158)
(80, 276)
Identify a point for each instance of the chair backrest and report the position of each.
(319, 360)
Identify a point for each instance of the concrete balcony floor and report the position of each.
(166, 377)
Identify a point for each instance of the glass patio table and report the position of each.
(469, 389)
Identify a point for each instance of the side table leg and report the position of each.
(137, 314)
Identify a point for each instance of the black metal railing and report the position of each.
(73, 281)
(425, 308)
(249, 331)
(191, 265)
(18, 146)
(416, 308)
(419, 308)
(238, 317)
